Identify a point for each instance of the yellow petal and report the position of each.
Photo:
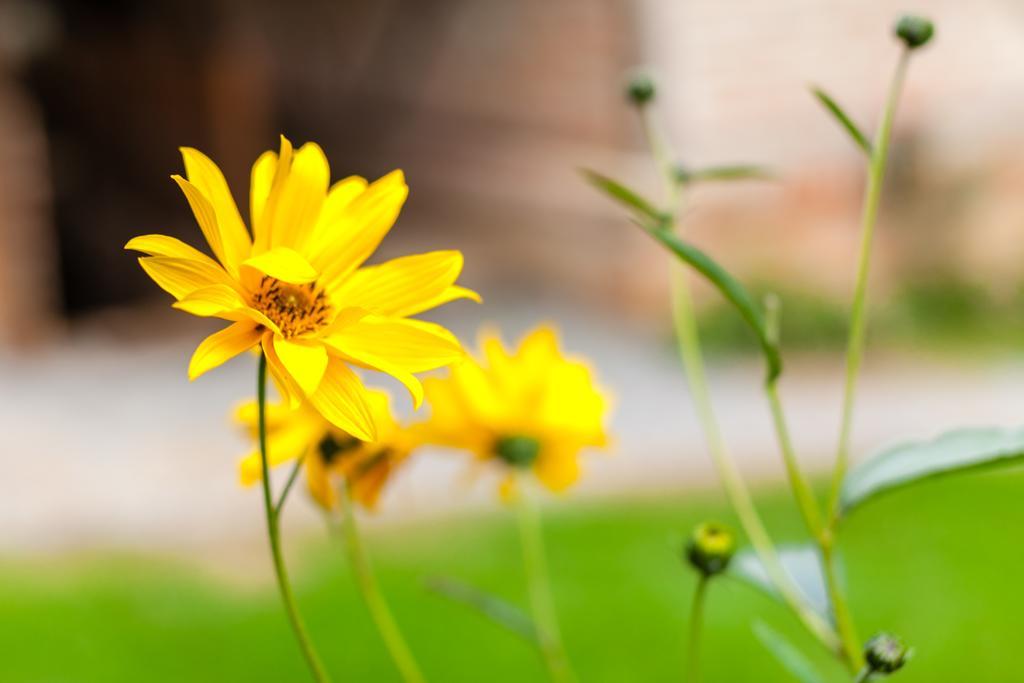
(341, 399)
(318, 479)
(403, 286)
(283, 264)
(283, 445)
(339, 198)
(181, 276)
(223, 346)
(205, 215)
(558, 466)
(164, 245)
(208, 179)
(396, 347)
(211, 301)
(263, 230)
(260, 182)
(285, 384)
(301, 197)
(306, 362)
(355, 233)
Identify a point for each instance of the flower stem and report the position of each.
(863, 675)
(688, 339)
(542, 604)
(696, 627)
(316, 667)
(372, 596)
(858, 318)
(854, 357)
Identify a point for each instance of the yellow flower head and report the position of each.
(529, 408)
(297, 285)
(328, 453)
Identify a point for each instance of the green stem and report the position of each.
(316, 668)
(858, 318)
(372, 596)
(292, 476)
(542, 603)
(802, 492)
(688, 338)
(696, 627)
(854, 357)
(863, 675)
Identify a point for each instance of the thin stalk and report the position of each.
(805, 499)
(542, 605)
(858, 318)
(688, 338)
(316, 667)
(372, 596)
(863, 675)
(696, 627)
(292, 476)
(854, 357)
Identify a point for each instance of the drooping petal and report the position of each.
(305, 361)
(558, 466)
(301, 197)
(341, 399)
(223, 346)
(403, 286)
(396, 347)
(289, 389)
(164, 245)
(356, 232)
(179, 277)
(208, 179)
(215, 300)
(283, 264)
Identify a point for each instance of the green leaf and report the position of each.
(845, 121)
(787, 654)
(737, 172)
(490, 606)
(801, 562)
(729, 287)
(954, 452)
(627, 197)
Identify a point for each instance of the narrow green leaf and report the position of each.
(490, 606)
(801, 562)
(729, 287)
(737, 172)
(845, 121)
(961, 450)
(787, 654)
(625, 196)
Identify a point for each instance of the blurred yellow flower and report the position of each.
(329, 454)
(297, 287)
(531, 408)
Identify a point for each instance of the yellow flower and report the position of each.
(298, 287)
(328, 452)
(529, 408)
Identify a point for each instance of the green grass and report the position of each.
(940, 565)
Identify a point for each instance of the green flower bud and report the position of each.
(710, 548)
(517, 451)
(641, 89)
(885, 653)
(914, 31)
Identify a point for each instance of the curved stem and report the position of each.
(863, 675)
(316, 667)
(549, 635)
(292, 476)
(858, 318)
(372, 596)
(696, 627)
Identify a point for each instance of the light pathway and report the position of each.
(107, 445)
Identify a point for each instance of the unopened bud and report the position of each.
(914, 31)
(885, 653)
(641, 89)
(710, 548)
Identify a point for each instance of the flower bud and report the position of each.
(914, 31)
(885, 653)
(710, 548)
(517, 451)
(640, 89)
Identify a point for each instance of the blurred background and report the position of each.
(127, 545)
